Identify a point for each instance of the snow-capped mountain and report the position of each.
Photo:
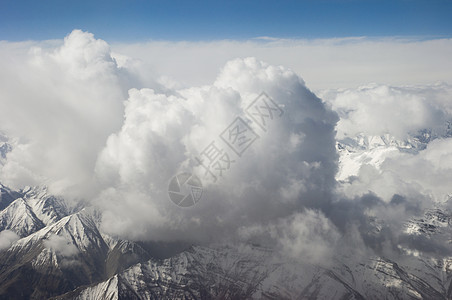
(63, 255)
(49, 209)
(255, 273)
(20, 218)
(59, 250)
(31, 210)
(355, 151)
(69, 258)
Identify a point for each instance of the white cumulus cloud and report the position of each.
(62, 102)
(290, 166)
(115, 127)
(399, 111)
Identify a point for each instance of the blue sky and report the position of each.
(138, 20)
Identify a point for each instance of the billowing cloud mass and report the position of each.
(84, 133)
(381, 109)
(101, 126)
(290, 166)
(62, 102)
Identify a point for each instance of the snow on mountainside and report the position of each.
(362, 149)
(19, 217)
(253, 272)
(47, 208)
(203, 273)
(434, 221)
(257, 273)
(58, 251)
(366, 150)
(70, 258)
(63, 255)
(32, 209)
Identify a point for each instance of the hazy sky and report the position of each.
(138, 20)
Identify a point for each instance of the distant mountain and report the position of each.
(354, 151)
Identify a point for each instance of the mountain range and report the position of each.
(60, 252)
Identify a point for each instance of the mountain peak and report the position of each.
(20, 218)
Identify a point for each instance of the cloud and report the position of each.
(385, 123)
(427, 173)
(323, 63)
(60, 245)
(62, 101)
(395, 145)
(7, 237)
(114, 126)
(290, 166)
(307, 236)
(381, 109)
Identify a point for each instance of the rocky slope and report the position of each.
(59, 250)
(69, 258)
